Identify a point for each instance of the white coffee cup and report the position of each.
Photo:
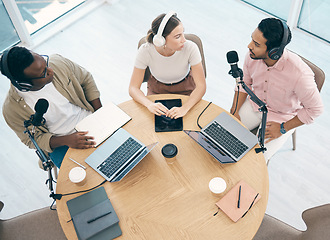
(217, 185)
(77, 175)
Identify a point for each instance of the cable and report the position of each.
(201, 114)
(236, 100)
(59, 196)
(66, 194)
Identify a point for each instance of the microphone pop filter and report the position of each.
(232, 57)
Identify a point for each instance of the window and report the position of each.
(8, 34)
(19, 19)
(314, 18)
(277, 8)
(308, 15)
(37, 14)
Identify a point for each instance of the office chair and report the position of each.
(317, 220)
(39, 224)
(192, 37)
(319, 79)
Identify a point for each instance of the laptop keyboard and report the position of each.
(226, 139)
(124, 152)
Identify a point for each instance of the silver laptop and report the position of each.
(118, 155)
(225, 139)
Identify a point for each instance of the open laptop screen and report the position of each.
(214, 150)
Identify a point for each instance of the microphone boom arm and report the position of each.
(262, 108)
(46, 161)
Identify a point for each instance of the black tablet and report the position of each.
(166, 124)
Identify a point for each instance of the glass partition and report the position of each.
(37, 14)
(8, 36)
(315, 18)
(277, 8)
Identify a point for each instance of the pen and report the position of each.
(239, 197)
(77, 163)
(96, 218)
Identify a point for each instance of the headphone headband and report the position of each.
(22, 86)
(276, 53)
(158, 39)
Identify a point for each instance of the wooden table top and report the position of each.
(157, 200)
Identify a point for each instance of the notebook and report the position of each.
(167, 124)
(225, 139)
(118, 155)
(229, 203)
(104, 122)
(94, 205)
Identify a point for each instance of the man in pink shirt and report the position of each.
(280, 79)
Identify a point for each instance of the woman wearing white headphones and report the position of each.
(175, 66)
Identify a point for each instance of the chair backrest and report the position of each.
(317, 220)
(273, 229)
(318, 73)
(192, 37)
(38, 224)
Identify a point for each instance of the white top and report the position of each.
(170, 69)
(61, 116)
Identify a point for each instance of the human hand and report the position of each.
(176, 112)
(272, 131)
(80, 140)
(158, 109)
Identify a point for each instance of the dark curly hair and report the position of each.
(18, 59)
(272, 30)
(172, 23)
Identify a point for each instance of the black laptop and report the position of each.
(225, 139)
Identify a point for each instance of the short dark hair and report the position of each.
(272, 30)
(172, 23)
(18, 59)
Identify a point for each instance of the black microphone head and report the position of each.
(232, 57)
(41, 106)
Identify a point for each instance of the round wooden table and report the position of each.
(157, 200)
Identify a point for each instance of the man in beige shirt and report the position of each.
(70, 90)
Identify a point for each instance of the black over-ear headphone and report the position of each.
(22, 86)
(276, 53)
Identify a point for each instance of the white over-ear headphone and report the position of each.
(158, 40)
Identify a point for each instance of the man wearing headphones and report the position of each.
(69, 89)
(280, 79)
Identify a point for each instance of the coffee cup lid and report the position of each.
(169, 150)
(77, 174)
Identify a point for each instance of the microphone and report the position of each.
(235, 71)
(40, 108)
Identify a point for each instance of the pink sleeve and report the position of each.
(309, 96)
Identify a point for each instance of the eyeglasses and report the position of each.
(44, 74)
(251, 205)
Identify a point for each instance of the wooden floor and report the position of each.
(105, 42)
